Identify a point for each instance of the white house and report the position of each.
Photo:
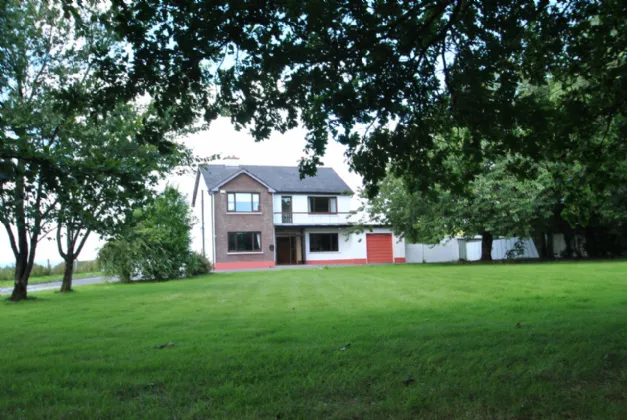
(262, 216)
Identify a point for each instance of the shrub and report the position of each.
(116, 259)
(7, 273)
(156, 243)
(91, 266)
(517, 251)
(198, 265)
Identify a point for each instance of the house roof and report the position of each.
(282, 179)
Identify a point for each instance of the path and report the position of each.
(57, 285)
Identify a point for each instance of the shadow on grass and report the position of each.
(561, 260)
(7, 300)
(150, 281)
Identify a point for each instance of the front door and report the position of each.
(286, 209)
(283, 250)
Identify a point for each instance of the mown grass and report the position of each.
(50, 278)
(268, 345)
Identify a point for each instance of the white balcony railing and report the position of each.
(311, 218)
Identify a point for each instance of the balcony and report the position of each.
(296, 218)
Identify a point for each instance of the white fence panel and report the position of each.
(473, 250)
(413, 253)
(559, 246)
(446, 251)
(500, 248)
(449, 250)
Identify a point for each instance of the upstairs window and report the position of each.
(244, 241)
(322, 205)
(323, 242)
(243, 202)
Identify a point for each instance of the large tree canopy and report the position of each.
(73, 149)
(585, 202)
(385, 77)
(495, 203)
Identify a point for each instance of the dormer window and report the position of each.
(243, 202)
(323, 205)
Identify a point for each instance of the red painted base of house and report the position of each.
(241, 265)
(334, 262)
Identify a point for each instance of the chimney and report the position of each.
(230, 157)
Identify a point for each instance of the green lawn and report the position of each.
(48, 279)
(267, 345)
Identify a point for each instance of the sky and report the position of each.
(281, 149)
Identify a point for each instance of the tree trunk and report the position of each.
(568, 239)
(550, 254)
(22, 273)
(19, 292)
(486, 246)
(66, 285)
(539, 241)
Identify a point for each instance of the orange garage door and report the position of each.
(379, 246)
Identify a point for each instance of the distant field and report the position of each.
(48, 279)
(426, 341)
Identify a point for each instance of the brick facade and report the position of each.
(235, 222)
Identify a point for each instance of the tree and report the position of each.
(126, 175)
(384, 78)
(515, 196)
(156, 245)
(495, 203)
(588, 186)
(36, 56)
(501, 204)
(60, 108)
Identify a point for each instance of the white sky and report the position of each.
(285, 150)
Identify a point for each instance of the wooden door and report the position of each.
(283, 250)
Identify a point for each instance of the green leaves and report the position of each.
(155, 244)
(494, 200)
(76, 150)
(405, 71)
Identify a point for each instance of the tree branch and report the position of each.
(447, 78)
(59, 246)
(7, 226)
(44, 233)
(409, 14)
(76, 233)
(82, 243)
(43, 66)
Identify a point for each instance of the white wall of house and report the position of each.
(399, 247)
(351, 246)
(204, 200)
(300, 210)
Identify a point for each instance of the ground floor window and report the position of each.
(323, 242)
(244, 241)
